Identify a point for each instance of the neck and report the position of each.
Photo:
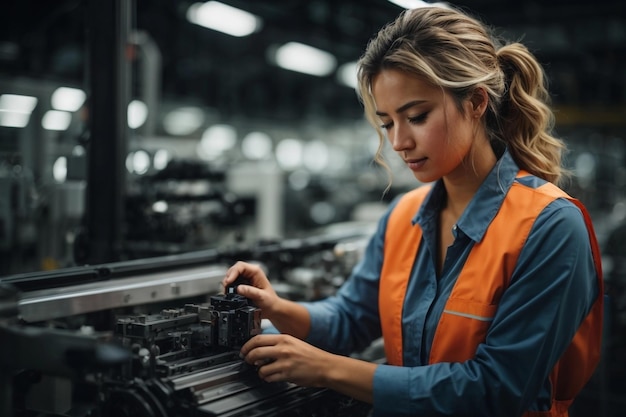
(462, 184)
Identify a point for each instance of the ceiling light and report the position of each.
(183, 121)
(346, 74)
(160, 206)
(68, 99)
(161, 159)
(59, 169)
(299, 57)
(56, 120)
(13, 119)
(415, 4)
(141, 162)
(216, 140)
(137, 113)
(223, 18)
(257, 145)
(289, 154)
(17, 103)
(15, 110)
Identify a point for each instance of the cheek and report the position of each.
(458, 135)
(435, 135)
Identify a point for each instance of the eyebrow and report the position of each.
(404, 107)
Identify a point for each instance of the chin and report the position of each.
(424, 177)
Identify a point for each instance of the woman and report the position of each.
(486, 285)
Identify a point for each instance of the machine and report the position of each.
(158, 337)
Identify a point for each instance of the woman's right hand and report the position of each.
(259, 290)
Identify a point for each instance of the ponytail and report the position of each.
(525, 120)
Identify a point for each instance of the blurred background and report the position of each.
(131, 129)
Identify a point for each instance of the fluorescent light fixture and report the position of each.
(137, 113)
(416, 4)
(59, 169)
(257, 146)
(160, 206)
(67, 99)
(223, 18)
(15, 110)
(183, 121)
(289, 154)
(303, 58)
(56, 120)
(17, 103)
(138, 162)
(216, 140)
(161, 159)
(13, 119)
(141, 162)
(346, 74)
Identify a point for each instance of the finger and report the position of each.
(258, 341)
(261, 356)
(272, 372)
(232, 273)
(252, 272)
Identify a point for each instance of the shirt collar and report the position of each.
(484, 205)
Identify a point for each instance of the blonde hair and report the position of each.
(450, 49)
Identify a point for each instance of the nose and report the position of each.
(400, 138)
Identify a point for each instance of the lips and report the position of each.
(415, 164)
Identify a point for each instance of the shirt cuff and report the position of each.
(319, 324)
(391, 389)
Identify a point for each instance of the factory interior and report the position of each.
(143, 151)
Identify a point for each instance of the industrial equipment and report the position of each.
(159, 337)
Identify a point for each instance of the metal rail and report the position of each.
(56, 303)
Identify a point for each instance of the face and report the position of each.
(424, 125)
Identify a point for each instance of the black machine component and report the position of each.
(186, 363)
(227, 322)
(183, 359)
(154, 338)
(181, 362)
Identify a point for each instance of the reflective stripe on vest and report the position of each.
(470, 308)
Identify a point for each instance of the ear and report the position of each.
(479, 101)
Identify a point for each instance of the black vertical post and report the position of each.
(108, 26)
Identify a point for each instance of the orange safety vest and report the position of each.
(470, 307)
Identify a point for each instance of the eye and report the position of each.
(419, 118)
(386, 126)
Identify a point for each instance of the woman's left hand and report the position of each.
(281, 357)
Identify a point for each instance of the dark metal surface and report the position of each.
(109, 79)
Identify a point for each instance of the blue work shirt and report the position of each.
(551, 290)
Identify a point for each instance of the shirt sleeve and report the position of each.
(348, 321)
(552, 289)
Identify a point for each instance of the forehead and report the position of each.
(391, 87)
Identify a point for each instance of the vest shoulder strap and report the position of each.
(397, 265)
